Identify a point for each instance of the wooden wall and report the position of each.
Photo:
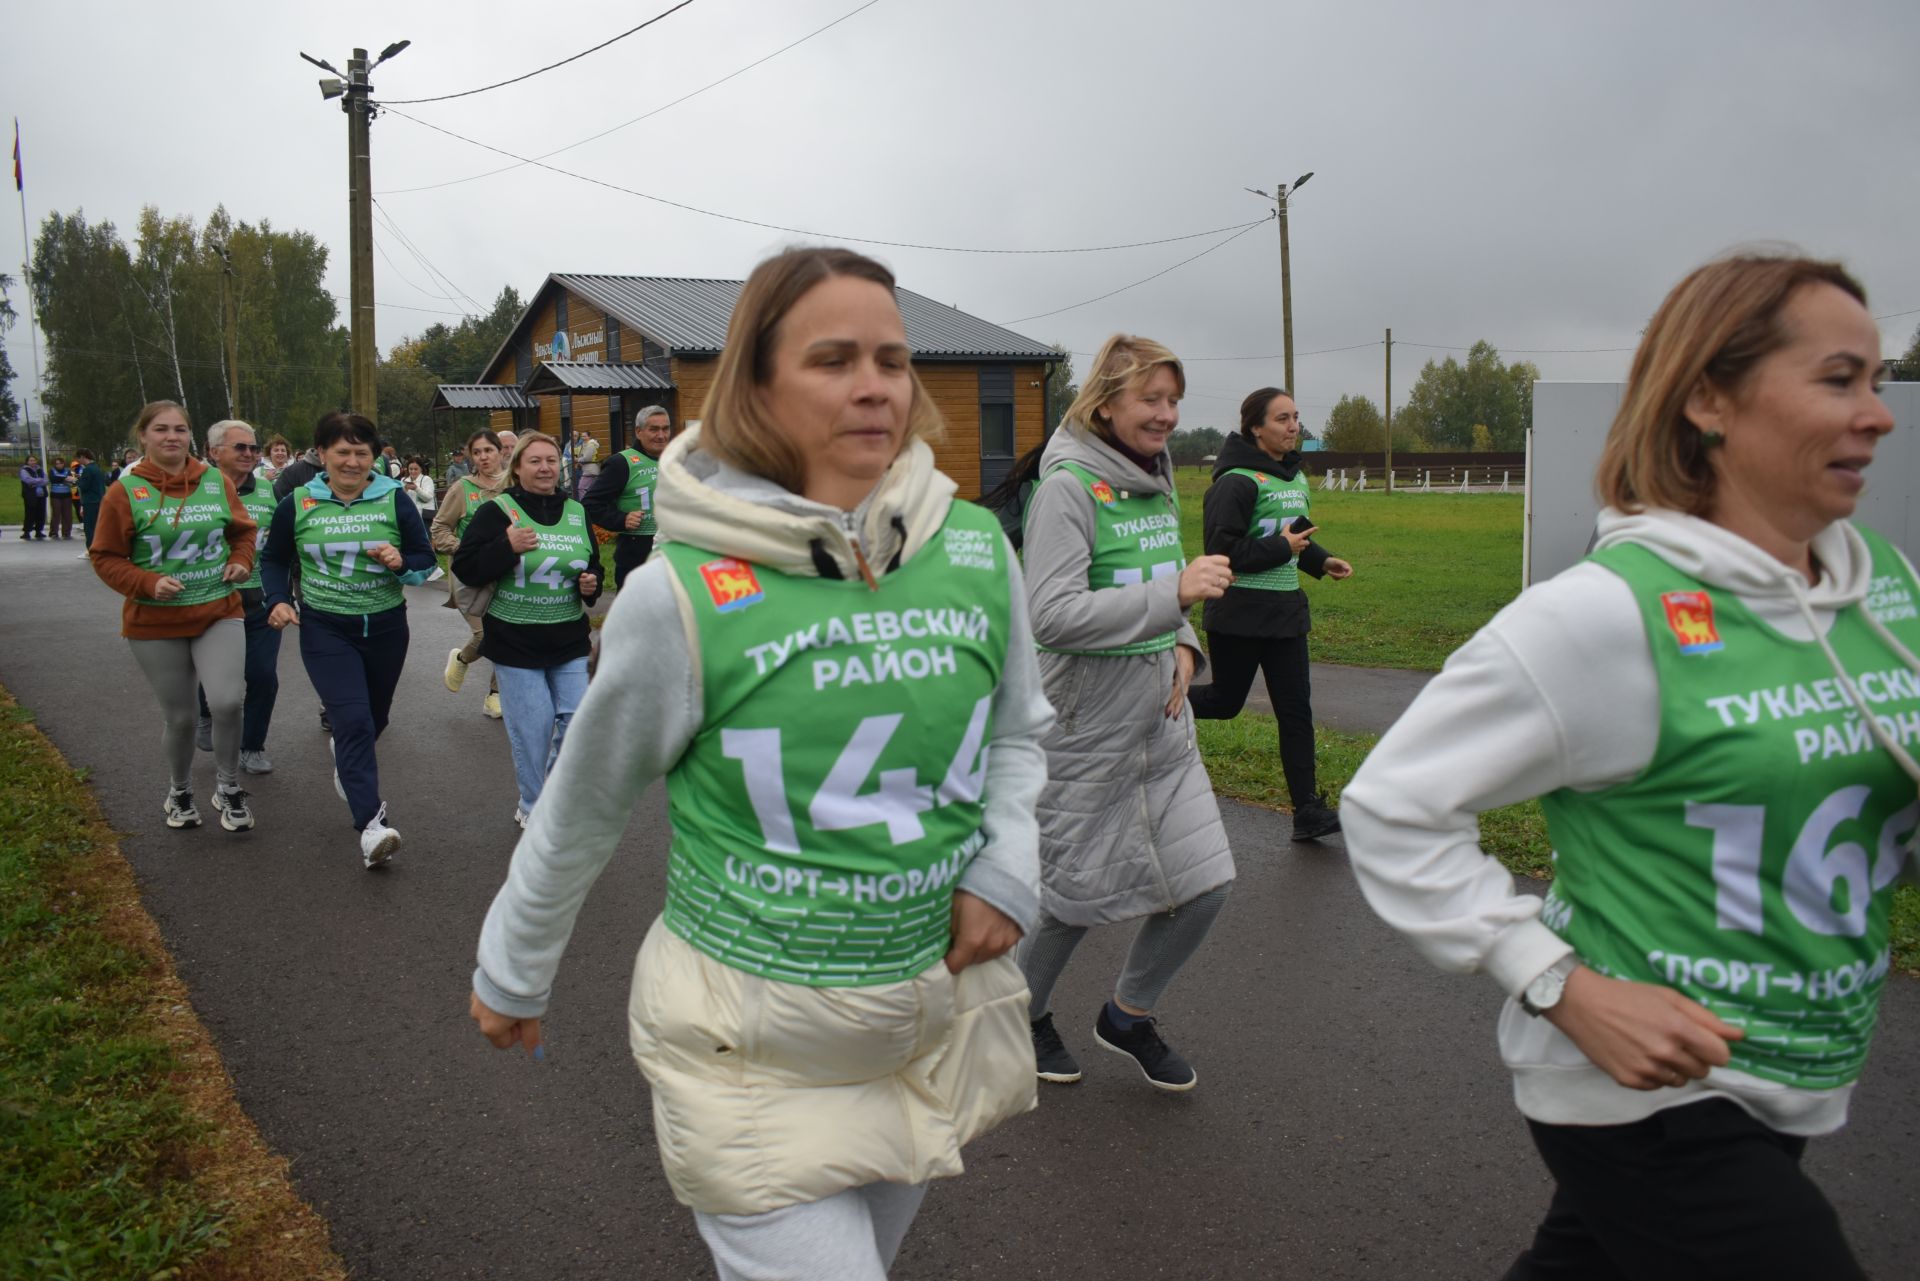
(694, 379)
(955, 391)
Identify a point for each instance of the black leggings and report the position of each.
(1289, 686)
(1692, 1193)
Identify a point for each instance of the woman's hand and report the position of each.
(1337, 568)
(589, 584)
(1205, 578)
(235, 573)
(505, 1032)
(1642, 1035)
(168, 587)
(1182, 677)
(283, 616)
(389, 555)
(522, 538)
(981, 932)
(634, 519)
(1298, 540)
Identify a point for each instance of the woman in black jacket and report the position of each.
(1256, 516)
(534, 546)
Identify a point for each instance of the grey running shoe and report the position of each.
(1158, 1062)
(256, 763)
(1051, 1061)
(180, 811)
(203, 734)
(232, 804)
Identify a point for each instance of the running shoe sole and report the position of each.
(1105, 1044)
(382, 851)
(228, 822)
(1061, 1078)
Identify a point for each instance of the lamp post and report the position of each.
(1279, 199)
(356, 91)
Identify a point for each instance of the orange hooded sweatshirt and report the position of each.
(112, 558)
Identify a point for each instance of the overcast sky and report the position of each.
(1534, 174)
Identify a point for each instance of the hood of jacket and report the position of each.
(1238, 451)
(1721, 558)
(378, 484)
(178, 485)
(704, 502)
(1075, 444)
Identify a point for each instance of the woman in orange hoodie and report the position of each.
(174, 539)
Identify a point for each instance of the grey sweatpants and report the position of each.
(215, 660)
(1162, 946)
(849, 1236)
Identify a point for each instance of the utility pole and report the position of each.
(356, 92)
(1387, 411)
(230, 320)
(1279, 199)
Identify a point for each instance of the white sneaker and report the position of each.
(491, 707)
(456, 673)
(520, 817)
(378, 841)
(179, 809)
(336, 772)
(232, 804)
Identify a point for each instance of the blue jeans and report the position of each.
(537, 704)
(263, 682)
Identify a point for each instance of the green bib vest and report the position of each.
(1136, 539)
(542, 589)
(826, 809)
(1751, 865)
(643, 473)
(1276, 503)
(186, 540)
(259, 502)
(476, 493)
(332, 538)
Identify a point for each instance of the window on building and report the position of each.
(996, 431)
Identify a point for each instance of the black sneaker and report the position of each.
(1315, 819)
(1051, 1061)
(1159, 1062)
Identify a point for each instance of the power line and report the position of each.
(405, 279)
(1155, 276)
(454, 182)
(818, 235)
(1517, 351)
(500, 84)
(420, 256)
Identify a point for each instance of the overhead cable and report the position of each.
(472, 177)
(501, 84)
(420, 256)
(1220, 244)
(821, 235)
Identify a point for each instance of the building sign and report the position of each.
(587, 346)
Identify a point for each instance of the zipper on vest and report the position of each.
(859, 557)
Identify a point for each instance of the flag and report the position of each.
(19, 183)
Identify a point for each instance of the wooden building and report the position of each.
(590, 351)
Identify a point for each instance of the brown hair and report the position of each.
(1714, 328)
(152, 410)
(1253, 410)
(1124, 361)
(738, 429)
(276, 440)
(521, 446)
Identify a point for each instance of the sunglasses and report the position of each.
(244, 449)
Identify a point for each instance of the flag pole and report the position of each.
(33, 317)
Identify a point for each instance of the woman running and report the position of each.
(1256, 516)
(1711, 707)
(831, 644)
(457, 506)
(535, 546)
(1128, 825)
(174, 539)
(356, 539)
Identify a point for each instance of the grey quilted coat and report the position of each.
(1128, 823)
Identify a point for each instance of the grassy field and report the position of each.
(1428, 570)
(122, 1150)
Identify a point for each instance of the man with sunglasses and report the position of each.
(233, 448)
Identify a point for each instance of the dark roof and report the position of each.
(554, 376)
(479, 396)
(689, 318)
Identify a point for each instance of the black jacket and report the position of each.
(1228, 514)
(603, 498)
(296, 474)
(485, 557)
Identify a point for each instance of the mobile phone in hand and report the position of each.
(1300, 525)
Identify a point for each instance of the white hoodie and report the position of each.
(1559, 690)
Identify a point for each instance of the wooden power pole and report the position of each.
(229, 320)
(1387, 410)
(1286, 296)
(362, 353)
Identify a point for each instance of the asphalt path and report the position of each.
(1352, 1118)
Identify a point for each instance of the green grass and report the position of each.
(1428, 571)
(93, 1138)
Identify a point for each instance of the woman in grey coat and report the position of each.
(1128, 824)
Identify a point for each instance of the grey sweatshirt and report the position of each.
(605, 765)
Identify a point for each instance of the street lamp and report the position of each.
(1286, 271)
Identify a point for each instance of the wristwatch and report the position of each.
(1545, 992)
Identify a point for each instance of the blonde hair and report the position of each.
(152, 410)
(520, 447)
(1123, 363)
(738, 428)
(1713, 329)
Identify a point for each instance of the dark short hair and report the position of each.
(357, 429)
(78, 454)
(1253, 410)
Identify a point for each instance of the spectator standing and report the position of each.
(90, 489)
(33, 493)
(60, 499)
